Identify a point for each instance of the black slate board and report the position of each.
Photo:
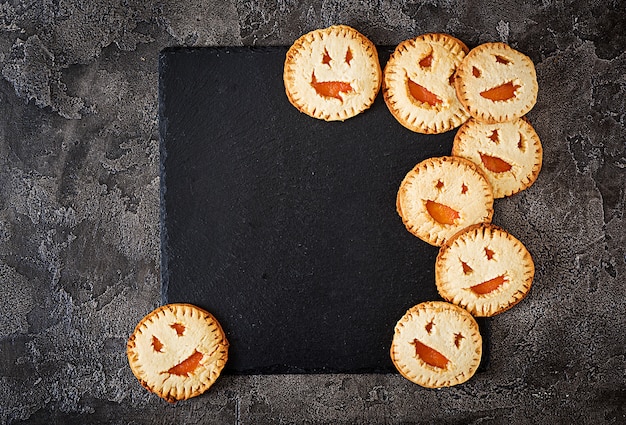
(283, 226)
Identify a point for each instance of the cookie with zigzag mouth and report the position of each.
(332, 74)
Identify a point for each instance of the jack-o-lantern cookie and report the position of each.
(177, 351)
(509, 153)
(436, 344)
(496, 83)
(443, 195)
(484, 269)
(332, 74)
(418, 83)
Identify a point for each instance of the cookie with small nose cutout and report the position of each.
(332, 74)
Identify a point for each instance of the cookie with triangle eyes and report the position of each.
(441, 196)
(509, 153)
(484, 269)
(496, 83)
(436, 344)
(332, 74)
(177, 351)
(418, 83)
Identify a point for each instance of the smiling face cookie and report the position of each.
(332, 73)
(177, 351)
(440, 196)
(510, 153)
(484, 269)
(436, 344)
(496, 83)
(418, 83)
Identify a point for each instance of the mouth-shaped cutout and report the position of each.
(421, 94)
(442, 214)
(187, 366)
(331, 89)
(502, 92)
(495, 164)
(488, 286)
(430, 355)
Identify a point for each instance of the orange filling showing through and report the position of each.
(330, 88)
(430, 355)
(427, 61)
(495, 164)
(156, 344)
(488, 285)
(443, 214)
(187, 366)
(422, 94)
(504, 91)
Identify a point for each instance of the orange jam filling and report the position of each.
(494, 164)
(504, 91)
(488, 285)
(430, 355)
(330, 88)
(187, 366)
(443, 214)
(422, 94)
(179, 328)
(157, 344)
(427, 61)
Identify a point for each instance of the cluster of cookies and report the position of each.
(433, 84)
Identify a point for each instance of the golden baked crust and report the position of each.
(484, 269)
(442, 195)
(177, 351)
(496, 83)
(436, 344)
(332, 74)
(418, 83)
(510, 153)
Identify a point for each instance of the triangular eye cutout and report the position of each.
(326, 59)
(521, 144)
(349, 56)
(427, 61)
(494, 137)
(502, 60)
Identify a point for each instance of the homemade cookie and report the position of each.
(484, 269)
(418, 83)
(177, 351)
(509, 153)
(440, 196)
(332, 74)
(496, 83)
(436, 344)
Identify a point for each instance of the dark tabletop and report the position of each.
(80, 214)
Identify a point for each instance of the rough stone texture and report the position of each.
(79, 214)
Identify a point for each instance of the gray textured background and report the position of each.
(79, 214)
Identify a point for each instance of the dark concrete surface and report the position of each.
(79, 214)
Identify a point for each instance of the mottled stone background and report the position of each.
(79, 214)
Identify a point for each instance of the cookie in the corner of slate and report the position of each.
(177, 351)
(496, 83)
(332, 74)
(418, 83)
(484, 269)
(442, 195)
(510, 153)
(436, 344)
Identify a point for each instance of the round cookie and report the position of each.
(332, 74)
(484, 269)
(496, 83)
(177, 351)
(436, 344)
(509, 153)
(418, 83)
(443, 195)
